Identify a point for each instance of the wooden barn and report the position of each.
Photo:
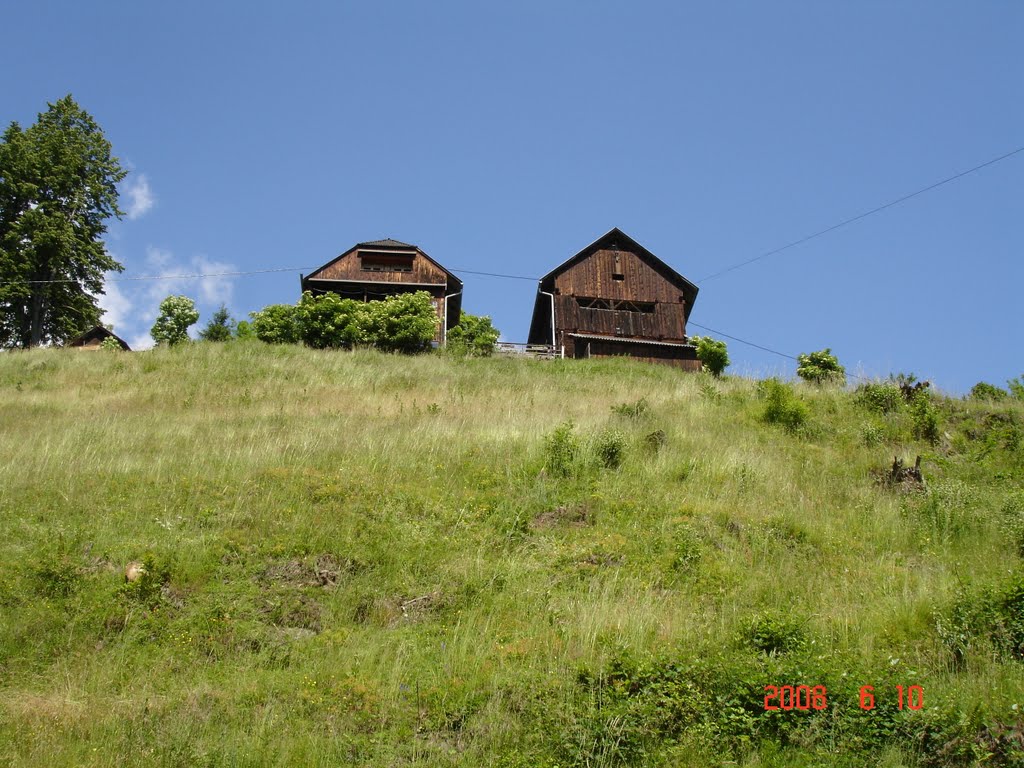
(94, 337)
(381, 268)
(616, 298)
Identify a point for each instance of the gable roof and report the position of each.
(452, 280)
(98, 332)
(616, 237)
(386, 242)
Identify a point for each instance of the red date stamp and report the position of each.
(804, 697)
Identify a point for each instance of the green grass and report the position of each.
(364, 559)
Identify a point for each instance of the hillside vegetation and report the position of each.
(351, 558)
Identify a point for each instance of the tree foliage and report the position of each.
(177, 313)
(712, 353)
(58, 186)
(1016, 387)
(220, 326)
(985, 391)
(276, 324)
(473, 335)
(327, 321)
(820, 367)
(406, 323)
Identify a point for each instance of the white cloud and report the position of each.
(140, 197)
(132, 307)
(157, 257)
(214, 289)
(115, 305)
(140, 342)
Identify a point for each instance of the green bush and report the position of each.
(820, 367)
(329, 321)
(177, 313)
(473, 336)
(112, 344)
(635, 410)
(881, 398)
(984, 391)
(562, 451)
(147, 589)
(610, 448)
(781, 406)
(275, 324)
(220, 327)
(989, 617)
(1016, 387)
(244, 330)
(1012, 521)
(58, 575)
(712, 354)
(406, 323)
(773, 634)
(925, 417)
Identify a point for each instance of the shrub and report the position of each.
(781, 406)
(112, 344)
(610, 448)
(820, 367)
(58, 575)
(562, 451)
(220, 326)
(925, 416)
(148, 587)
(329, 321)
(712, 354)
(985, 391)
(1016, 387)
(275, 324)
(406, 323)
(882, 398)
(773, 634)
(244, 330)
(992, 616)
(1012, 521)
(177, 314)
(634, 410)
(473, 336)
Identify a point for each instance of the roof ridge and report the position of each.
(389, 241)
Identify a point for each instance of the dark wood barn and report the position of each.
(616, 298)
(381, 268)
(94, 337)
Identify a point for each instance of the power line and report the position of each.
(863, 215)
(493, 274)
(238, 273)
(137, 278)
(765, 349)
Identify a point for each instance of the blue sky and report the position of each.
(505, 137)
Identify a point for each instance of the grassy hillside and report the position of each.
(360, 559)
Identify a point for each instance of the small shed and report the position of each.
(616, 298)
(377, 269)
(94, 337)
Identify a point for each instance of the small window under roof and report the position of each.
(373, 261)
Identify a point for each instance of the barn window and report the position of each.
(635, 306)
(385, 262)
(618, 276)
(645, 307)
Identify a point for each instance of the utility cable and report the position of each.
(863, 215)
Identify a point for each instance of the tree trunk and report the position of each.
(38, 306)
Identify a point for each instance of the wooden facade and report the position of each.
(616, 298)
(380, 268)
(94, 337)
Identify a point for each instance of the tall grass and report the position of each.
(371, 560)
